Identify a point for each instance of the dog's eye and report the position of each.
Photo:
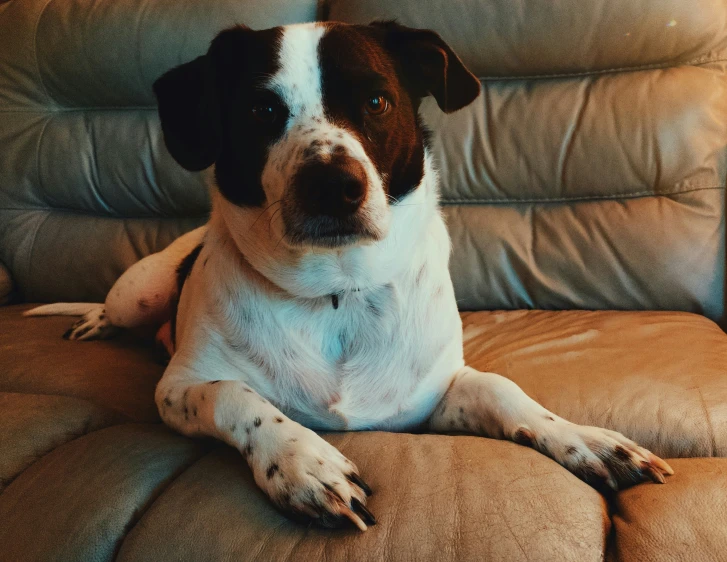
(377, 105)
(264, 113)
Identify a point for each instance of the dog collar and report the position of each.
(334, 298)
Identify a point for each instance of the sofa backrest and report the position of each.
(589, 174)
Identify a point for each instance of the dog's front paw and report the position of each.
(312, 481)
(599, 457)
(94, 325)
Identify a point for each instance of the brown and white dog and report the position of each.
(318, 296)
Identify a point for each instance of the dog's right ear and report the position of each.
(190, 115)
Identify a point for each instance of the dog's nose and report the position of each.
(335, 189)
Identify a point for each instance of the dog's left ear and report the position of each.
(430, 65)
(189, 113)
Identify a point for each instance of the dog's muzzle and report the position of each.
(328, 196)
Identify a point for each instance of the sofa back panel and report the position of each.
(60, 256)
(92, 53)
(106, 162)
(642, 253)
(590, 190)
(651, 132)
(515, 38)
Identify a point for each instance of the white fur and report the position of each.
(62, 309)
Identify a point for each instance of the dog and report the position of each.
(318, 296)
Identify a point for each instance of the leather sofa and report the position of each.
(584, 192)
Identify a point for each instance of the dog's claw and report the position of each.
(661, 464)
(359, 508)
(653, 472)
(356, 479)
(355, 519)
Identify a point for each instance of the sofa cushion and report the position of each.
(32, 425)
(140, 492)
(521, 38)
(83, 482)
(657, 377)
(119, 375)
(686, 522)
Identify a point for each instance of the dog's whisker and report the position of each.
(272, 218)
(263, 212)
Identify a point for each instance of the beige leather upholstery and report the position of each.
(585, 176)
(657, 377)
(590, 174)
(687, 524)
(81, 448)
(6, 285)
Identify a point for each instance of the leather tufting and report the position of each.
(590, 174)
(516, 38)
(68, 518)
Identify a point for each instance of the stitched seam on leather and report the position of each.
(45, 110)
(29, 261)
(443, 203)
(35, 52)
(61, 210)
(655, 66)
(153, 497)
(575, 199)
(713, 442)
(699, 61)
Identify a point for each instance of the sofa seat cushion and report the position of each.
(686, 522)
(659, 378)
(140, 492)
(118, 374)
(83, 479)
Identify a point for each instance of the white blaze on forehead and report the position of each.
(298, 82)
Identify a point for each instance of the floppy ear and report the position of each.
(430, 65)
(189, 113)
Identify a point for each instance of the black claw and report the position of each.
(356, 479)
(361, 510)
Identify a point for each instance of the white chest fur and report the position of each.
(381, 360)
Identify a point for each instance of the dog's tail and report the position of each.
(63, 309)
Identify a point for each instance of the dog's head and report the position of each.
(318, 118)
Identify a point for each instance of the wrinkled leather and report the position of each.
(657, 377)
(140, 492)
(516, 38)
(689, 523)
(584, 177)
(118, 375)
(6, 284)
(589, 174)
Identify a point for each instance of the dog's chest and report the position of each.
(352, 360)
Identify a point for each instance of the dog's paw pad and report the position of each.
(94, 325)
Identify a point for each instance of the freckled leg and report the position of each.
(145, 293)
(492, 406)
(300, 472)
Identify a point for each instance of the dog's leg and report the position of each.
(493, 406)
(143, 295)
(146, 292)
(301, 473)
